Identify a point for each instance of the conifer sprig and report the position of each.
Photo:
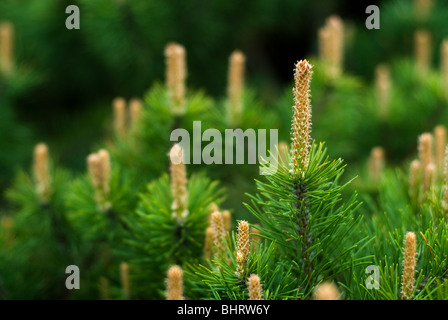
(301, 210)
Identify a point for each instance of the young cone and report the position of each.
(444, 65)
(176, 73)
(425, 149)
(422, 48)
(99, 170)
(217, 225)
(301, 123)
(94, 167)
(135, 110)
(300, 148)
(383, 84)
(440, 144)
(414, 174)
(105, 171)
(425, 145)
(235, 86)
(409, 264)
(124, 276)
(254, 287)
(331, 46)
(178, 174)
(376, 164)
(174, 284)
(42, 172)
(243, 239)
(6, 48)
(336, 26)
(324, 37)
(326, 291)
(243, 247)
(240, 265)
(119, 106)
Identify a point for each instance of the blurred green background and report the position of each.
(65, 80)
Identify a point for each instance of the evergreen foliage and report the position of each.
(141, 226)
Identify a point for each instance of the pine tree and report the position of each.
(169, 224)
(307, 229)
(39, 237)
